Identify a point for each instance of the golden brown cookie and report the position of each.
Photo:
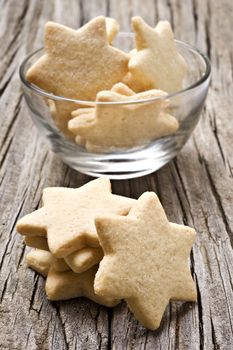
(124, 125)
(36, 242)
(67, 215)
(145, 260)
(88, 112)
(60, 265)
(84, 259)
(77, 64)
(122, 89)
(112, 28)
(40, 261)
(68, 285)
(157, 63)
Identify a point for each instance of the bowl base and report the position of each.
(125, 166)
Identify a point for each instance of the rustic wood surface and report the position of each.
(195, 189)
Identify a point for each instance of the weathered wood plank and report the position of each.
(195, 189)
(28, 320)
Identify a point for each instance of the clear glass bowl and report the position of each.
(185, 105)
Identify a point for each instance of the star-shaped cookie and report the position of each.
(40, 261)
(67, 215)
(123, 125)
(78, 261)
(112, 29)
(77, 64)
(84, 259)
(157, 63)
(68, 285)
(145, 260)
(36, 242)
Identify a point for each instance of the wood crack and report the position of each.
(193, 189)
(110, 340)
(82, 17)
(28, 336)
(199, 306)
(171, 13)
(185, 218)
(21, 256)
(6, 83)
(4, 287)
(11, 124)
(108, 7)
(207, 31)
(226, 292)
(56, 306)
(195, 16)
(218, 201)
(16, 35)
(215, 344)
(215, 132)
(8, 65)
(10, 233)
(34, 291)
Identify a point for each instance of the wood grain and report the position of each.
(195, 189)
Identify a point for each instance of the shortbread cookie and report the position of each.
(80, 141)
(122, 89)
(68, 285)
(60, 265)
(112, 28)
(132, 83)
(77, 64)
(124, 125)
(67, 215)
(81, 111)
(40, 261)
(78, 261)
(157, 63)
(119, 88)
(36, 242)
(145, 260)
(84, 259)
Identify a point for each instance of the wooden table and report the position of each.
(195, 189)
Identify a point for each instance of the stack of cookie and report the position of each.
(84, 65)
(64, 235)
(90, 242)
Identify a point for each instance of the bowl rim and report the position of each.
(52, 96)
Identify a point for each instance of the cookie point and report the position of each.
(164, 27)
(147, 196)
(104, 180)
(98, 223)
(50, 23)
(100, 18)
(99, 21)
(192, 232)
(137, 20)
(50, 26)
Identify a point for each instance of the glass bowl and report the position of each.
(184, 105)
